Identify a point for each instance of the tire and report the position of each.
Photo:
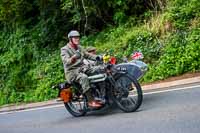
(76, 106)
(127, 90)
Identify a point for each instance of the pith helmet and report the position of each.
(73, 33)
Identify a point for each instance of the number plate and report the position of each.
(122, 68)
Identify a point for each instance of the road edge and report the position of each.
(171, 83)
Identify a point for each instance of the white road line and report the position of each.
(168, 90)
(37, 108)
(61, 105)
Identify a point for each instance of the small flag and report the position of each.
(137, 55)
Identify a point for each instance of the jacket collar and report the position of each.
(72, 49)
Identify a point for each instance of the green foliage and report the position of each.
(125, 40)
(13, 11)
(27, 73)
(32, 33)
(99, 14)
(16, 60)
(181, 55)
(182, 11)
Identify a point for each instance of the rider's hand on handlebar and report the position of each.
(99, 58)
(78, 55)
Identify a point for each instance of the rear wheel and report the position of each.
(77, 105)
(127, 93)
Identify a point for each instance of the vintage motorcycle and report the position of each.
(115, 83)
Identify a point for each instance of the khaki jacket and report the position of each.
(67, 52)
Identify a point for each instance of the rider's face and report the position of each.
(76, 40)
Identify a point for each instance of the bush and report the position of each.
(27, 73)
(181, 55)
(182, 11)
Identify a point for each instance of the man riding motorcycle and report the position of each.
(72, 56)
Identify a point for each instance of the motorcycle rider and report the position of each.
(72, 56)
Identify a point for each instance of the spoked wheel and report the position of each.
(77, 106)
(128, 93)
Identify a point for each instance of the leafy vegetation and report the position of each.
(32, 33)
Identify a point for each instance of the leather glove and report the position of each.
(99, 58)
(78, 55)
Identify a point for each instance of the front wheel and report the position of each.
(127, 93)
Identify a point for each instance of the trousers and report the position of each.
(80, 75)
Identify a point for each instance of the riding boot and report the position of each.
(89, 95)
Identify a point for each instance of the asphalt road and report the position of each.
(177, 111)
